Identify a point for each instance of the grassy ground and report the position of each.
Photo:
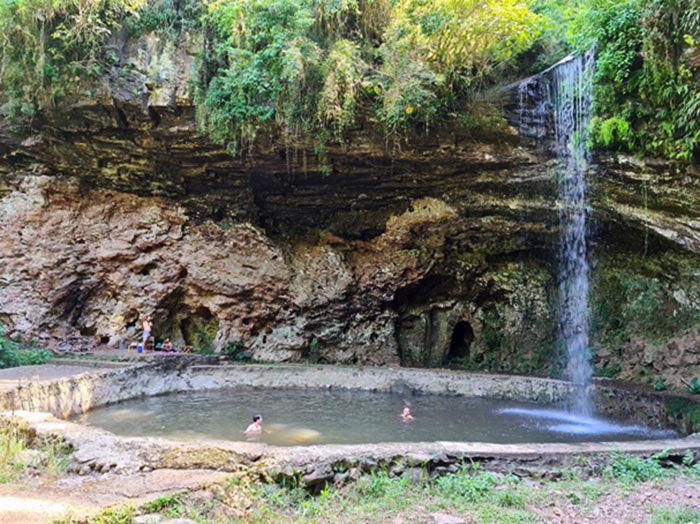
(23, 455)
(630, 490)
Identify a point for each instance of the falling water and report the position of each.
(570, 98)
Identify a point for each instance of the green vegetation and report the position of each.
(50, 49)
(199, 331)
(124, 515)
(635, 297)
(609, 371)
(22, 453)
(660, 384)
(688, 409)
(676, 516)
(629, 470)
(486, 497)
(13, 354)
(236, 352)
(315, 68)
(647, 94)
(312, 69)
(694, 386)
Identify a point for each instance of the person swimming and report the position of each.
(406, 415)
(254, 430)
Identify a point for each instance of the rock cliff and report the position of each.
(443, 251)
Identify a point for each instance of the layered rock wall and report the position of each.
(440, 252)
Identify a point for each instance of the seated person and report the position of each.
(167, 345)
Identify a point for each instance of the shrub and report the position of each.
(629, 469)
(660, 384)
(236, 351)
(469, 485)
(312, 68)
(12, 354)
(647, 93)
(50, 50)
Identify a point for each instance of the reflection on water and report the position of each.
(307, 416)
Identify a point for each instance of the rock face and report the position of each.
(441, 252)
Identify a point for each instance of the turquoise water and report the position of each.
(308, 416)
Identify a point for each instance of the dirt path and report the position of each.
(635, 506)
(75, 496)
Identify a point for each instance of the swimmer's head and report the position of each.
(257, 417)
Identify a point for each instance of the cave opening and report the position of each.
(462, 338)
(199, 329)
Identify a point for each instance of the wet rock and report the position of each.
(416, 475)
(320, 475)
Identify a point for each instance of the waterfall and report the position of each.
(569, 96)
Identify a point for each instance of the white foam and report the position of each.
(577, 424)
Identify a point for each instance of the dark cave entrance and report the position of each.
(199, 329)
(462, 338)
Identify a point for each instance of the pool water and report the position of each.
(313, 416)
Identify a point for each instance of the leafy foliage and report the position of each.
(628, 469)
(12, 354)
(648, 75)
(52, 459)
(51, 48)
(314, 67)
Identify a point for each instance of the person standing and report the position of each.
(147, 328)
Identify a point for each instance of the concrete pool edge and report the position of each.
(97, 450)
(88, 389)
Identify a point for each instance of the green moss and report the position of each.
(687, 409)
(637, 296)
(200, 331)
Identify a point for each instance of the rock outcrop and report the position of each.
(443, 251)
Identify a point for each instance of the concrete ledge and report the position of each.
(99, 451)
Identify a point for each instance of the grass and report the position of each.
(482, 496)
(50, 457)
(676, 516)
